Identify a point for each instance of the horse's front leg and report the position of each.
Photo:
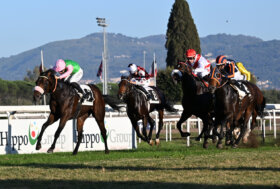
(61, 125)
(51, 119)
(183, 118)
(152, 125)
(136, 128)
(144, 129)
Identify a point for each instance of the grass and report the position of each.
(171, 165)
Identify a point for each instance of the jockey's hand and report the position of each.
(56, 77)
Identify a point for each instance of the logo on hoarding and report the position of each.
(33, 132)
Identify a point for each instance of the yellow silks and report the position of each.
(243, 70)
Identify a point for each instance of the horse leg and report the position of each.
(61, 125)
(160, 125)
(252, 126)
(136, 128)
(52, 118)
(80, 124)
(204, 131)
(100, 123)
(144, 129)
(247, 116)
(152, 125)
(183, 118)
(221, 134)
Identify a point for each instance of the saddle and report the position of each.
(241, 88)
(90, 97)
(153, 94)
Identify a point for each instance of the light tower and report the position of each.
(102, 23)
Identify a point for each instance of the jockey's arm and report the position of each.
(67, 73)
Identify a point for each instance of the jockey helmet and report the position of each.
(190, 53)
(221, 60)
(132, 68)
(59, 65)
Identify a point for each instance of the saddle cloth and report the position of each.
(154, 96)
(90, 99)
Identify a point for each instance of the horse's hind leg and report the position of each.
(160, 125)
(100, 122)
(144, 129)
(52, 118)
(61, 125)
(183, 118)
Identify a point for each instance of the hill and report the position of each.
(260, 57)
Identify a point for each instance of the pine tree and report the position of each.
(181, 33)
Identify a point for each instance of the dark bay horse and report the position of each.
(64, 102)
(138, 108)
(230, 110)
(196, 100)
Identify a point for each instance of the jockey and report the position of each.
(72, 72)
(140, 78)
(200, 64)
(229, 70)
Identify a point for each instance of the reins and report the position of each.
(48, 79)
(222, 85)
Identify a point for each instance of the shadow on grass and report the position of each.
(140, 168)
(14, 183)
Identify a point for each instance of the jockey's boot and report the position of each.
(145, 91)
(81, 93)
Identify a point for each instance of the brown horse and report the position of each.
(65, 105)
(138, 108)
(196, 101)
(230, 111)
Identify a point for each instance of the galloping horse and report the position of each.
(64, 103)
(138, 108)
(230, 111)
(196, 100)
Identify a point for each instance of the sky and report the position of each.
(32, 23)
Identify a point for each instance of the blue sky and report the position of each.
(31, 23)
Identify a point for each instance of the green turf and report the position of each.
(170, 165)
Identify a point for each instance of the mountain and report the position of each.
(260, 57)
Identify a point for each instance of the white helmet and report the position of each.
(132, 68)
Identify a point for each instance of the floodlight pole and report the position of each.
(102, 23)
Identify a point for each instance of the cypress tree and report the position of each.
(181, 33)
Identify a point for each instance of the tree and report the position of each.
(181, 33)
(32, 75)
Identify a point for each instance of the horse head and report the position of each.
(46, 83)
(124, 87)
(216, 80)
(179, 70)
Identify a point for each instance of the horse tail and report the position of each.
(111, 102)
(168, 107)
(260, 108)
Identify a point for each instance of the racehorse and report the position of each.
(196, 101)
(65, 105)
(230, 111)
(138, 108)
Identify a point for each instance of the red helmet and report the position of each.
(190, 53)
(221, 60)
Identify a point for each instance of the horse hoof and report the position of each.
(205, 145)
(157, 142)
(214, 140)
(50, 150)
(107, 151)
(228, 143)
(197, 139)
(74, 153)
(38, 146)
(234, 146)
(219, 146)
(151, 142)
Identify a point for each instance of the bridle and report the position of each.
(39, 89)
